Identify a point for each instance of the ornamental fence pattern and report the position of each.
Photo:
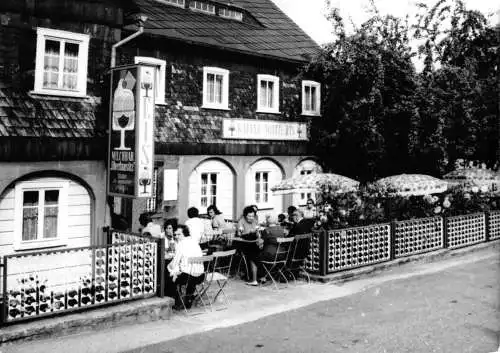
(494, 225)
(343, 249)
(466, 230)
(46, 283)
(418, 236)
(312, 261)
(360, 246)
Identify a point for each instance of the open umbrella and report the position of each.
(470, 177)
(411, 185)
(314, 183)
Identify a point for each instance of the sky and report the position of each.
(310, 14)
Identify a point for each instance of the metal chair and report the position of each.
(298, 254)
(221, 271)
(202, 285)
(274, 268)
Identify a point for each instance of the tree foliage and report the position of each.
(381, 117)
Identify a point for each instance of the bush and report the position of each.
(370, 206)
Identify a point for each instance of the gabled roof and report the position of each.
(273, 35)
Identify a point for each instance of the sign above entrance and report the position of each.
(249, 129)
(131, 137)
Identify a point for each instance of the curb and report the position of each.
(367, 271)
(139, 311)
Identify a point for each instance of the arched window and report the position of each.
(212, 183)
(305, 167)
(260, 178)
(45, 212)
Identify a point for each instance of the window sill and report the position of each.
(214, 107)
(311, 114)
(161, 103)
(40, 245)
(268, 111)
(60, 94)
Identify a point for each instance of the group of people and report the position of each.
(259, 239)
(186, 241)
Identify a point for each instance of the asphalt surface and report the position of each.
(456, 310)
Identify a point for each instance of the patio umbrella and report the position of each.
(315, 183)
(470, 177)
(411, 185)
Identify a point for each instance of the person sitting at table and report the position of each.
(216, 218)
(301, 225)
(195, 224)
(180, 270)
(310, 209)
(248, 229)
(149, 227)
(270, 247)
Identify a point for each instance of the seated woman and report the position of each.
(310, 210)
(216, 218)
(247, 229)
(180, 270)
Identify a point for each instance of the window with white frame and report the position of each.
(208, 189)
(232, 14)
(160, 75)
(61, 62)
(179, 3)
(40, 214)
(262, 187)
(268, 93)
(215, 88)
(311, 98)
(202, 6)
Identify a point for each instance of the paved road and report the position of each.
(452, 311)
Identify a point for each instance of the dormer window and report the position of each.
(268, 94)
(215, 88)
(179, 3)
(61, 62)
(202, 6)
(232, 14)
(311, 98)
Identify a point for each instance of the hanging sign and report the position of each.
(131, 136)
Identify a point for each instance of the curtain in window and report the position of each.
(70, 70)
(51, 64)
(51, 211)
(214, 88)
(30, 215)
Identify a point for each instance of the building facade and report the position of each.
(231, 119)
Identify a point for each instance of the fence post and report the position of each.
(323, 253)
(392, 240)
(445, 232)
(160, 278)
(487, 226)
(106, 230)
(5, 305)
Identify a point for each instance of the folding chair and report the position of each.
(274, 268)
(298, 254)
(202, 285)
(221, 271)
(243, 243)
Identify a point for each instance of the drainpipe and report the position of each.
(140, 19)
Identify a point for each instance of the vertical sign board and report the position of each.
(131, 136)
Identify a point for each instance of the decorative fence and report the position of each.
(47, 283)
(343, 249)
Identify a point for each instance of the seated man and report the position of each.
(195, 224)
(301, 224)
(179, 269)
(270, 245)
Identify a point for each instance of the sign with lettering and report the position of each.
(250, 129)
(131, 137)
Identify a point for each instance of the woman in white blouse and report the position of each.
(180, 270)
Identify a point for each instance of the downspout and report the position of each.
(125, 40)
